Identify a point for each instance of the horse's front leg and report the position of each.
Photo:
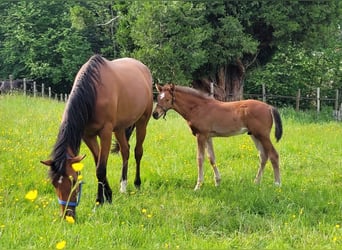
(201, 142)
(211, 156)
(124, 149)
(104, 191)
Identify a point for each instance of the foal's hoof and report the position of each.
(198, 186)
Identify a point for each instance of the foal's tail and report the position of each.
(278, 123)
(128, 132)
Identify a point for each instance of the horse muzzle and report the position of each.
(158, 112)
(156, 115)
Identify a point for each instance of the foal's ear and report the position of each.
(158, 87)
(47, 162)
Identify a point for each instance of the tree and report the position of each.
(202, 42)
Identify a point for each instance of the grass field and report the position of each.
(304, 213)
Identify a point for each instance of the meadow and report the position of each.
(304, 213)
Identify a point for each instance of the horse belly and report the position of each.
(226, 132)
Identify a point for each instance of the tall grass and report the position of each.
(306, 212)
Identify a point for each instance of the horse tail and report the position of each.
(128, 133)
(278, 123)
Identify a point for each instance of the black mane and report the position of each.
(78, 112)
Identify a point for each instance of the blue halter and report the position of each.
(72, 203)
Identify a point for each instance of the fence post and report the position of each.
(61, 97)
(65, 97)
(43, 89)
(11, 83)
(49, 92)
(34, 89)
(297, 100)
(211, 89)
(263, 92)
(318, 100)
(24, 82)
(336, 100)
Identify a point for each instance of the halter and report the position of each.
(172, 101)
(72, 203)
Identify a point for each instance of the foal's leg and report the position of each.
(201, 142)
(274, 158)
(211, 156)
(124, 149)
(262, 158)
(267, 151)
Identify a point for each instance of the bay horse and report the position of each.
(106, 97)
(208, 117)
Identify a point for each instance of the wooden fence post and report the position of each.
(11, 83)
(49, 92)
(336, 100)
(318, 100)
(263, 92)
(34, 89)
(24, 82)
(61, 97)
(297, 100)
(43, 89)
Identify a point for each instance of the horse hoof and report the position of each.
(123, 187)
(277, 184)
(198, 186)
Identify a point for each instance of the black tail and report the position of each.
(278, 123)
(128, 132)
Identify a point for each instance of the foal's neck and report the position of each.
(187, 104)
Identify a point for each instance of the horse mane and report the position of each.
(193, 92)
(78, 112)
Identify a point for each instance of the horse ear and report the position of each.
(78, 158)
(158, 87)
(172, 86)
(47, 162)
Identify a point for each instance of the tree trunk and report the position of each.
(228, 82)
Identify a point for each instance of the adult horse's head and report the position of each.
(66, 178)
(165, 100)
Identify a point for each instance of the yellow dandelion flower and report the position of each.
(337, 225)
(80, 177)
(144, 210)
(149, 216)
(77, 166)
(31, 195)
(70, 219)
(61, 244)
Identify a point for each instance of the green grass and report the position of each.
(306, 212)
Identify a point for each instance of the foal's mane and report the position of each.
(78, 112)
(193, 92)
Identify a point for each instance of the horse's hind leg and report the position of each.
(211, 156)
(262, 159)
(124, 149)
(267, 151)
(138, 151)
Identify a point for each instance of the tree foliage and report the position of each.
(285, 44)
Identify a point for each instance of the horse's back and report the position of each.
(125, 93)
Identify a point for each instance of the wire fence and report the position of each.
(31, 88)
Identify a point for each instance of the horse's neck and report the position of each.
(186, 103)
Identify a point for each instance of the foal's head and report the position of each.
(67, 183)
(165, 100)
